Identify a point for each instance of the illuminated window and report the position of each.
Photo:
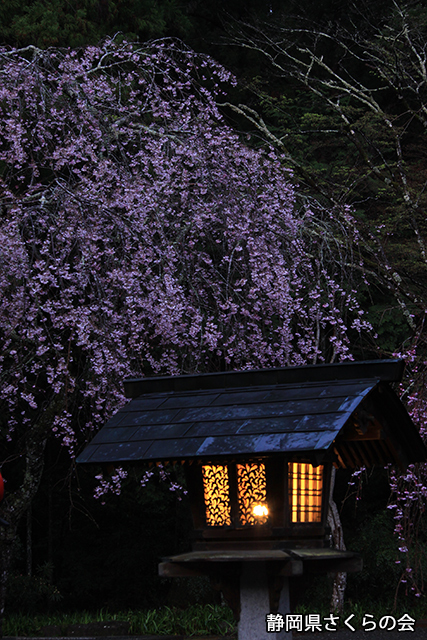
(252, 493)
(251, 499)
(216, 493)
(305, 492)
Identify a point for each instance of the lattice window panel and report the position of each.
(217, 496)
(251, 491)
(305, 492)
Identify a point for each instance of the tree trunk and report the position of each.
(340, 581)
(15, 505)
(29, 541)
(7, 536)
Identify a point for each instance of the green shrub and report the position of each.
(28, 594)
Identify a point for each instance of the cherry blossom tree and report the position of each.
(138, 236)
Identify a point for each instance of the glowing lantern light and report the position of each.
(251, 494)
(258, 446)
(305, 492)
(235, 495)
(260, 510)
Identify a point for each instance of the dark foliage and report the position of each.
(88, 555)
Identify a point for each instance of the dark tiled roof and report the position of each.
(291, 410)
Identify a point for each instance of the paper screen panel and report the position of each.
(251, 491)
(305, 492)
(217, 495)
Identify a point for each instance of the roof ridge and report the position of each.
(382, 370)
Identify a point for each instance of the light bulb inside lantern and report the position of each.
(260, 510)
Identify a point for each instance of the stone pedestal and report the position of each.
(284, 608)
(255, 604)
(255, 583)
